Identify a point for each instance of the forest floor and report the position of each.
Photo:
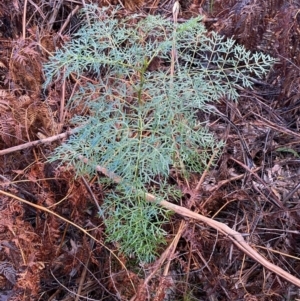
(52, 240)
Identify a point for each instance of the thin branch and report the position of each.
(233, 235)
(62, 99)
(24, 20)
(206, 170)
(271, 195)
(72, 13)
(167, 255)
(38, 142)
(55, 10)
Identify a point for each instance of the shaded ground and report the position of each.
(253, 188)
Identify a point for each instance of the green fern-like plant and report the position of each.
(143, 118)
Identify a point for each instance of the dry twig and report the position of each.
(38, 142)
(233, 235)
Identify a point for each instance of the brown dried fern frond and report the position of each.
(243, 22)
(23, 245)
(5, 99)
(9, 272)
(40, 114)
(25, 67)
(7, 122)
(133, 4)
(7, 132)
(43, 191)
(22, 118)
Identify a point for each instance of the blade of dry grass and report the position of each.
(68, 222)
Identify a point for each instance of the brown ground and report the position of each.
(44, 257)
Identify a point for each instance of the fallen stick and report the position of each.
(233, 235)
(38, 142)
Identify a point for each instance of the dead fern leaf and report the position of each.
(3, 104)
(133, 4)
(25, 67)
(8, 271)
(6, 129)
(2, 65)
(5, 98)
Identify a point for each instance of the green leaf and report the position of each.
(142, 119)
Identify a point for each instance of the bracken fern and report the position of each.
(143, 118)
